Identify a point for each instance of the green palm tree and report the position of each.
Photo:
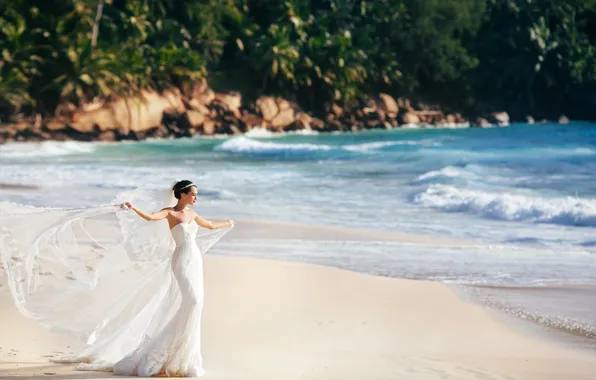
(19, 61)
(275, 56)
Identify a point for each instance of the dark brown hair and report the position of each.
(182, 187)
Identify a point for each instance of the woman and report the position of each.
(141, 297)
(176, 351)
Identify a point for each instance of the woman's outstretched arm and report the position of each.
(162, 214)
(212, 225)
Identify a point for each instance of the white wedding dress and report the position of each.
(176, 349)
(133, 294)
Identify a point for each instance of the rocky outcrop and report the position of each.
(388, 105)
(141, 113)
(410, 117)
(482, 123)
(200, 110)
(499, 118)
(277, 113)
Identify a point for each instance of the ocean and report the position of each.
(525, 195)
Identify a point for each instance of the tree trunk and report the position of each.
(95, 32)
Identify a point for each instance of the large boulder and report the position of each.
(194, 118)
(481, 122)
(277, 113)
(304, 121)
(65, 111)
(410, 117)
(196, 105)
(207, 97)
(499, 118)
(337, 111)
(388, 105)
(107, 136)
(201, 93)
(137, 114)
(231, 102)
(54, 125)
(404, 103)
(208, 128)
(317, 124)
(250, 120)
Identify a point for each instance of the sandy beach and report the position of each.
(280, 320)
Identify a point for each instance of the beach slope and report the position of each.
(278, 320)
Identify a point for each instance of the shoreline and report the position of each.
(558, 331)
(20, 134)
(521, 308)
(320, 322)
(257, 132)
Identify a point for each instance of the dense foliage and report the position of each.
(526, 56)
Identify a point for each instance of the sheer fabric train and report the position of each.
(132, 290)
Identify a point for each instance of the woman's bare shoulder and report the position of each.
(167, 210)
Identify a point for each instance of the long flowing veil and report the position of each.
(101, 273)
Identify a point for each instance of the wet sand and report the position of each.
(563, 313)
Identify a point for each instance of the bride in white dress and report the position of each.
(137, 301)
(176, 350)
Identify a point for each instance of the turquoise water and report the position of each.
(525, 192)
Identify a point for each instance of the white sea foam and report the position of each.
(364, 147)
(263, 132)
(244, 144)
(447, 171)
(472, 173)
(511, 207)
(45, 149)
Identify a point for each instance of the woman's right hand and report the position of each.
(127, 206)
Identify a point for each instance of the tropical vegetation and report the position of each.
(525, 56)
